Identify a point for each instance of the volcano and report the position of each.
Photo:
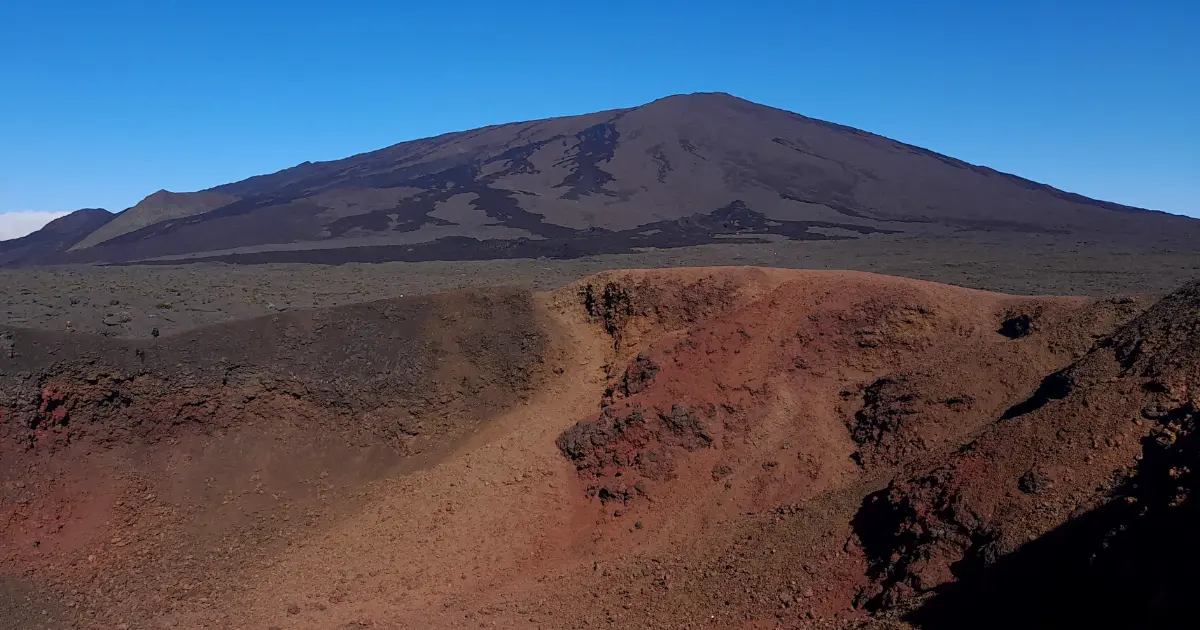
(683, 170)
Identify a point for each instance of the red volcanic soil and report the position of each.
(138, 476)
(729, 448)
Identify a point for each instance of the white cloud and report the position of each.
(22, 222)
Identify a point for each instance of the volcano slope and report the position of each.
(733, 447)
(685, 170)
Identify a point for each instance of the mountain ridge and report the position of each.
(597, 183)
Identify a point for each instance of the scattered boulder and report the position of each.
(1016, 326)
(639, 375)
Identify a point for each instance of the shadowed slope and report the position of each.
(1069, 510)
(49, 244)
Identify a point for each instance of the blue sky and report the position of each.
(104, 103)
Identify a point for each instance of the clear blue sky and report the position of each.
(102, 103)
